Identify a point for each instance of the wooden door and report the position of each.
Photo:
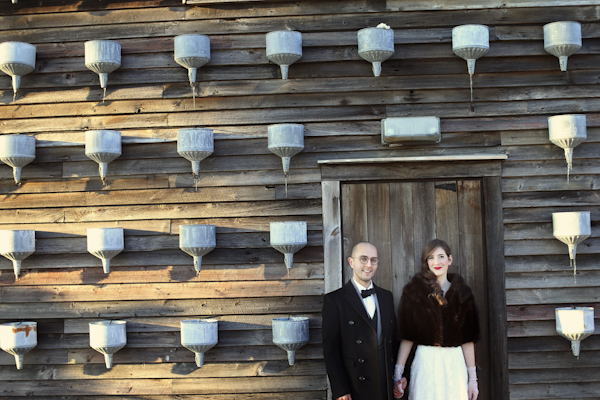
(400, 217)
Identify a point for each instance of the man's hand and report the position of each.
(345, 397)
(399, 388)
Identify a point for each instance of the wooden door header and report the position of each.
(408, 168)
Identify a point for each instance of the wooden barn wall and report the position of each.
(151, 192)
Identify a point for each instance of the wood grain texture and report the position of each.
(150, 190)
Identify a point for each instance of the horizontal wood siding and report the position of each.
(241, 187)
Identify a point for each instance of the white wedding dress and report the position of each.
(438, 373)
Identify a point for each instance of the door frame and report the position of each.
(485, 167)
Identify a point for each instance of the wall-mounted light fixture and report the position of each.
(403, 130)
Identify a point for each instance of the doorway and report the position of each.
(399, 217)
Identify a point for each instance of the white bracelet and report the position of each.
(398, 371)
(472, 373)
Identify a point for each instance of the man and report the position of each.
(359, 333)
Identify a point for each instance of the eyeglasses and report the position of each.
(364, 260)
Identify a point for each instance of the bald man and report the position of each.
(359, 333)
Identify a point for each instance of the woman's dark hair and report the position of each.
(430, 277)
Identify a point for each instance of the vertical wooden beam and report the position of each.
(404, 263)
(472, 263)
(355, 221)
(378, 218)
(332, 235)
(423, 218)
(492, 192)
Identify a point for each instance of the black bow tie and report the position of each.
(367, 293)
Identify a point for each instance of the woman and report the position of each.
(438, 313)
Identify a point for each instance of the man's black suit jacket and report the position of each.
(350, 344)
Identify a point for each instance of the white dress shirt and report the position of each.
(368, 302)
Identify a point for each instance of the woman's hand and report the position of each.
(472, 390)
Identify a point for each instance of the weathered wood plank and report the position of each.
(552, 296)
(433, 170)
(303, 92)
(332, 235)
(165, 370)
(231, 326)
(549, 280)
(182, 119)
(152, 11)
(544, 359)
(550, 183)
(540, 312)
(495, 260)
(550, 246)
(534, 329)
(410, 19)
(305, 395)
(550, 151)
(446, 216)
(544, 215)
(537, 199)
(158, 196)
(151, 274)
(354, 215)
(378, 231)
(554, 375)
(555, 391)
(180, 354)
(155, 308)
(528, 344)
(423, 220)
(157, 339)
(535, 231)
(543, 168)
(165, 291)
(403, 5)
(519, 138)
(216, 259)
(549, 263)
(165, 386)
(128, 213)
(159, 227)
(43, 104)
(401, 201)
